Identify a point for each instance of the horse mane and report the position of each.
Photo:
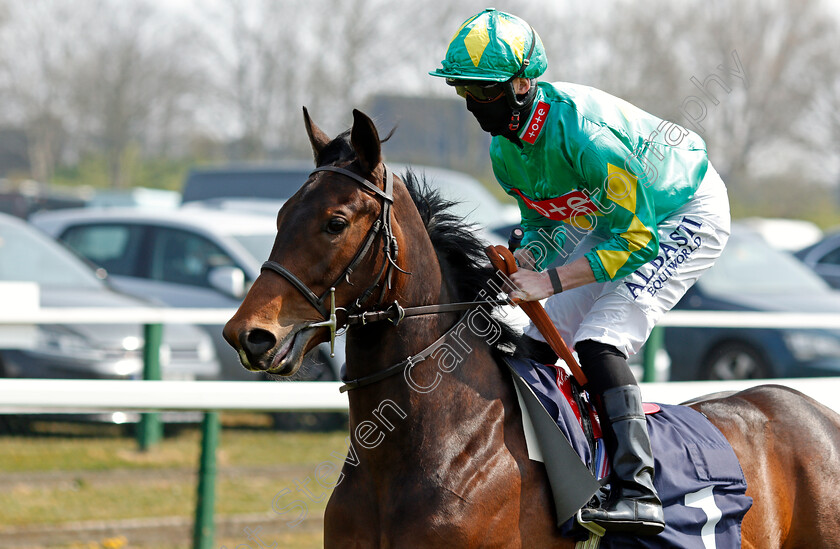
(465, 266)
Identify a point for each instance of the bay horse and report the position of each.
(446, 464)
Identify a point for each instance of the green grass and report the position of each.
(144, 498)
(84, 451)
(57, 452)
(291, 540)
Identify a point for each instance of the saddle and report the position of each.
(697, 475)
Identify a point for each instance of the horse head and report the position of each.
(340, 231)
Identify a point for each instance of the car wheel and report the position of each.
(735, 360)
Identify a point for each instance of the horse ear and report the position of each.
(365, 141)
(317, 138)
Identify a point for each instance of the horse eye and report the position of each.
(336, 225)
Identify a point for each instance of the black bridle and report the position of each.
(395, 313)
(381, 225)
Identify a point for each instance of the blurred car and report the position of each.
(190, 257)
(24, 198)
(135, 197)
(473, 201)
(824, 258)
(87, 351)
(244, 182)
(751, 275)
(789, 235)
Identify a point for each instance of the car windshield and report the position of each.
(27, 255)
(748, 265)
(258, 245)
(475, 205)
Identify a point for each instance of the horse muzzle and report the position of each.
(261, 350)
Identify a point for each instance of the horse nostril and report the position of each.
(257, 342)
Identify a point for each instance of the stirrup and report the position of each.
(596, 532)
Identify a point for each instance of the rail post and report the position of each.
(204, 527)
(655, 342)
(150, 430)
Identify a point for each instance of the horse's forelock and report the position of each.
(341, 150)
(337, 150)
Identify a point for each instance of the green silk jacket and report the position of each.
(598, 163)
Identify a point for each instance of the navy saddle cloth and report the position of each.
(698, 476)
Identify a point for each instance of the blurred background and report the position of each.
(141, 141)
(101, 94)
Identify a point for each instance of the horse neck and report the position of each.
(459, 382)
(376, 346)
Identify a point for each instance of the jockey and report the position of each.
(636, 196)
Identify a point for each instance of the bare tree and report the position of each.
(99, 71)
(742, 74)
(36, 42)
(127, 75)
(273, 58)
(252, 50)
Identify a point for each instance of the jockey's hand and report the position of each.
(530, 285)
(524, 258)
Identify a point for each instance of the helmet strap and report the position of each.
(522, 104)
(527, 60)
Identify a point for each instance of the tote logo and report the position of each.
(534, 127)
(562, 208)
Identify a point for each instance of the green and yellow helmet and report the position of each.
(493, 46)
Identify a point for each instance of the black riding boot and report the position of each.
(633, 505)
(528, 347)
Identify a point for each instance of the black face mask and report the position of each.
(493, 116)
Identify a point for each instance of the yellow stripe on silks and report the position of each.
(511, 33)
(467, 22)
(476, 41)
(613, 260)
(637, 237)
(621, 187)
